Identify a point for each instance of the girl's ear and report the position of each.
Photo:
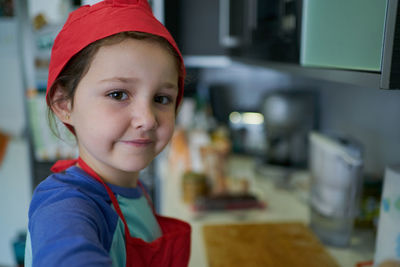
(61, 106)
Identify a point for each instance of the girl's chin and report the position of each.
(134, 168)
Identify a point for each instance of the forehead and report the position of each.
(150, 39)
(131, 57)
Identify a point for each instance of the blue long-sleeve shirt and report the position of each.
(72, 222)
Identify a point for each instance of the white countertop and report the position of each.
(283, 205)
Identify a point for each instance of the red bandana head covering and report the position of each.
(88, 24)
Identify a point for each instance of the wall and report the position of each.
(246, 84)
(15, 176)
(55, 11)
(367, 114)
(12, 119)
(15, 195)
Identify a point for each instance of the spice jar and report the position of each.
(194, 185)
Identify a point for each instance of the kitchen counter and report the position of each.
(283, 205)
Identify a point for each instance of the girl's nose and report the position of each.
(144, 118)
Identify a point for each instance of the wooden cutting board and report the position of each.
(270, 244)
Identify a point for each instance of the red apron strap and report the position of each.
(92, 173)
(147, 197)
(62, 165)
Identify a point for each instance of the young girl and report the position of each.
(115, 80)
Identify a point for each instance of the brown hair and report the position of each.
(79, 64)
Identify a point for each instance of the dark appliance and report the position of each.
(289, 116)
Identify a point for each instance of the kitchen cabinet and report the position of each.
(357, 35)
(254, 28)
(355, 43)
(333, 36)
(194, 25)
(208, 32)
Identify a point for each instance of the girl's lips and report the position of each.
(138, 142)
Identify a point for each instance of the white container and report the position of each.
(336, 171)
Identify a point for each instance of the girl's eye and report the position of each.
(165, 100)
(118, 95)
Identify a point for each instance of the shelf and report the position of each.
(353, 77)
(207, 61)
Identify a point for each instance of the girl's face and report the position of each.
(124, 109)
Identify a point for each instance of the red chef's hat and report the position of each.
(88, 24)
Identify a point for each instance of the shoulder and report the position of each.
(70, 198)
(62, 187)
(69, 207)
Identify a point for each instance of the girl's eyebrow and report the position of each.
(120, 79)
(170, 86)
(166, 85)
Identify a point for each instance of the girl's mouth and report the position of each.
(139, 142)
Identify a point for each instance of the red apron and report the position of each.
(171, 249)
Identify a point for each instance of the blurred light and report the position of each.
(246, 118)
(252, 118)
(235, 117)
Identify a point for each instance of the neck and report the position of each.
(111, 175)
